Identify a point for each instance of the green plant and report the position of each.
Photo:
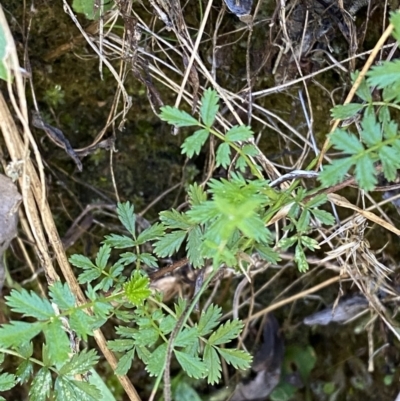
(130, 300)
(226, 223)
(378, 142)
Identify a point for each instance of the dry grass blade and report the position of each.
(343, 202)
(293, 298)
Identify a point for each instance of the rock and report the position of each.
(10, 201)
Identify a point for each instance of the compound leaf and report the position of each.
(167, 324)
(237, 358)
(336, 171)
(390, 94)
(209, 107)
(116, 270)
(192, 365)
(127, 258)
(146, 336)
(226, 332)
(174, 219)
(390, 129)
(102, 256)
(371, 132)
(81, 261)
(150, 234)
(169, 244)
(193, 143)
(127, 216)
(213, 363)
(385, 74)
(186, 337)
(155, 362)
(86, 391)
(239, 133)
(309, 242)
(24, 371)
(125, 363)
(223, 155)
(80, 363)
(193, 247)
(304, 221)
(323, 216)
(300, 259)
(349, 143)
(57, 341)
(15, 333)
(41, 385)
(118, 242)
(148, 259)
(365, 173)
(137, 288)
(30, 304)
(177, 117)
(121, 344)
(363, 91)
(82, 323)
(196, 194)
(286, 243)
(7, 381)
(267, 253)
(89, 275)
(74, 390)
(341, 112)
(317, 201)
(390, 161)
(61, 295)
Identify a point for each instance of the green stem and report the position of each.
(238, 149)
(187, 314)
(395, 106)
(34, 360)
(376, 147)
